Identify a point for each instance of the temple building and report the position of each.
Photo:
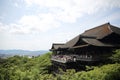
(92, 46)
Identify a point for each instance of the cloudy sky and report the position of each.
(36, 24)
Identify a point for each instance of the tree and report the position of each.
(116, 56)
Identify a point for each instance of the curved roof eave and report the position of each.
(72, 42)
(96, 42)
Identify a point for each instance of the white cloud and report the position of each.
(32, 24)
(53, 14)
(16, 5)
(113, 17)
(58, 11)
(4, 27)
(71, 10)
(41, 22)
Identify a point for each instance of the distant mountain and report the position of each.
(9, 53)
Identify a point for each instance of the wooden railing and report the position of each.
(61, 58)
(73, 58)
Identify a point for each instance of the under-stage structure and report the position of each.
(88, 48)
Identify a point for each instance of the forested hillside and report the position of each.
(38, 68)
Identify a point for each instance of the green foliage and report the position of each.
(116, 57)
(106, 72)
(24, 68)
(37, 68)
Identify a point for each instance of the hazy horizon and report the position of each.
(23, 50)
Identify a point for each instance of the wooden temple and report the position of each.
(88, 48)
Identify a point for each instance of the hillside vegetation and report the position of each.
(38, 68)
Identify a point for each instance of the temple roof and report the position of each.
(102, 31)
(105, 35)
(56, 46)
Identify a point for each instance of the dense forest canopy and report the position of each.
(38, 68)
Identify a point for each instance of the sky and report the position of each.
(36, 24)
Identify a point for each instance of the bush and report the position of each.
(116, 56)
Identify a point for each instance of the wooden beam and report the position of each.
(81, 46)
